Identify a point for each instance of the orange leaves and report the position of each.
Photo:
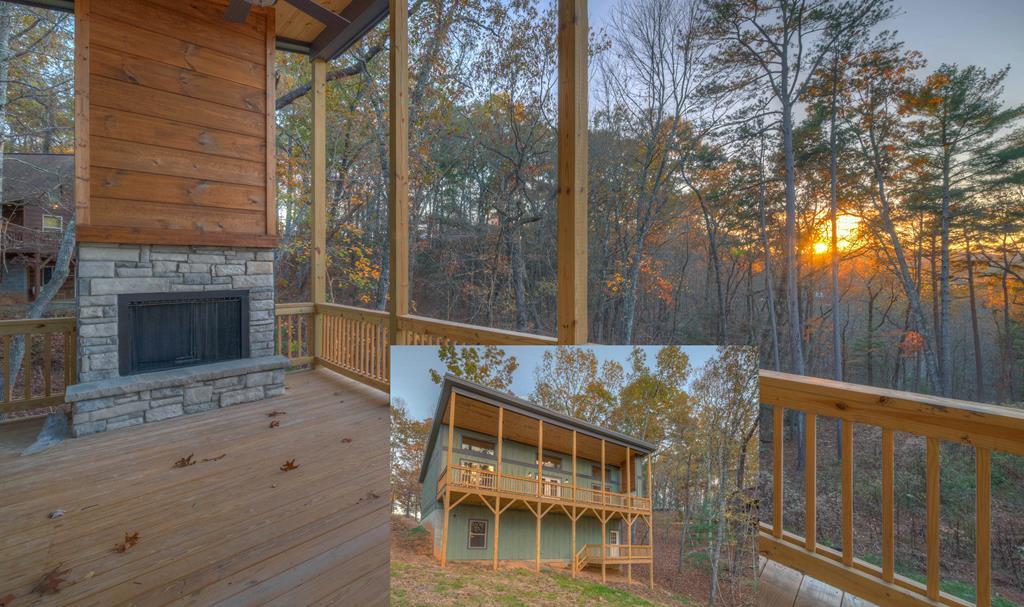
(129, 541)
(289, 465)
(275, 423)
(52, 581)
(912, 344)
(6, 600)
(185, 462)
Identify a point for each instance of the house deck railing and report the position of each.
(47, 364)
(615, 553)
(354, 341)
(985, 427)
(513, 486)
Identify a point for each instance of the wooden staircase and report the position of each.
(580, 559)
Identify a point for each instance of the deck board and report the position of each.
(236, 531)
(781, 586)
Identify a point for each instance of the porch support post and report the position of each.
(497, 499)
(540, 456)
(572, 171)
(574, 499)
(650, 525)
(319, 176)
(398, 167)
(448, 484)
(604, 519)
(629, 521)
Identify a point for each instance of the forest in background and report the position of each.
(703, 419)
(785, 174)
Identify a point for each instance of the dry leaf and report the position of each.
(276, 413)
(51, 582)
(275, 424)
(129, 541)
(289, 465)
(213, 459)
(6, 600)
(346, 440)
(185, 461)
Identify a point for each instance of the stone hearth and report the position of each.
(104, 400)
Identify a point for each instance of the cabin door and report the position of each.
(552, 487)
(613, 544)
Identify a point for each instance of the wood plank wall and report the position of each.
(177, 115)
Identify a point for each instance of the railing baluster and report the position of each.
(888, 506)
(777, 419)
(810, 480)
(983, 515)
(47, 364)
(8, 379)
(933, 517)
(28, 366)
(847, 450)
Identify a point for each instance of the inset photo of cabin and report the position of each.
(544, 474)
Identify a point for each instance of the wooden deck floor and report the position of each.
(781, 586)
(235, 531)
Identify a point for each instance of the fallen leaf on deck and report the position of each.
(276, 413)
(55, 514)
(275, 424)
(51, 582)
(185, 461)
(6, 600)
(346, 440)
(289, 465)
(129, 541)
(213, 459)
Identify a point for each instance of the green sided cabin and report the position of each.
(507, 480)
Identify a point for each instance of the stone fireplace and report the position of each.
(165, 331)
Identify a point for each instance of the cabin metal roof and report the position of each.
(511, 402)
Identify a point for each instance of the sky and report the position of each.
(410, 365)
(988, 33)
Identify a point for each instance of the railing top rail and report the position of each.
(352, 312)
(983, 425)
(22, 326)
(285, 309)
(470, 333)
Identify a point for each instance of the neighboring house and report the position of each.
(482, 499)
(37, 202)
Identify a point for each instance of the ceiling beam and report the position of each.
(360, 17)
(66, 6)
(323, 15)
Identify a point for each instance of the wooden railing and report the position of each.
(615, 552)
(985, 427)
(354, 341)
(466, 477)
(294, 331)
(48, 362)
(420, 331)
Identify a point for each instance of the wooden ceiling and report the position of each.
(482, 417)
(294, 24)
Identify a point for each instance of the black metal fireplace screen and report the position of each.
(170, 330)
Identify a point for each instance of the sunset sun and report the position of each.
(846, 231)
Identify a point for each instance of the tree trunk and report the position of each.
(945, 351)
(792, 289)
(979, 370)
(769, 279)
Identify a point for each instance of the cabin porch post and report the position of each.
(604, 518)
(398, 167)
(575, 497)
(448, 483)
(540, 483)
(629, 522)
(650, 524)
(319, 176)
(572, 171)
(497, 500)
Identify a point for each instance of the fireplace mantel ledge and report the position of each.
(169, 378)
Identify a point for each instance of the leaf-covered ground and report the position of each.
(417, 580)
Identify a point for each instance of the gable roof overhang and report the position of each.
(322, 29)
(463, 387)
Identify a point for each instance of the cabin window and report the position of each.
(477, 465)
(53, 223)
(550, 461)
(479, 446)
(477, 534)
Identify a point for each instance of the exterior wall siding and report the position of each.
(517, 536)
